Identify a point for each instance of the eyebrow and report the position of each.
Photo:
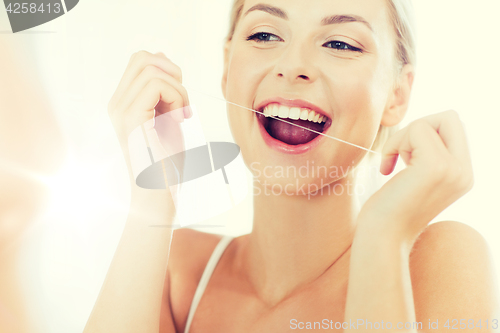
(268, 9)
(334, 19)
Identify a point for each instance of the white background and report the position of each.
(81, 57)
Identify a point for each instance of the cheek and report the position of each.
(240, 85)
(359, 96)
(243, 73)
(362, 86)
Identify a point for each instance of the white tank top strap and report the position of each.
(207, 273)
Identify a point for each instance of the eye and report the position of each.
(262, 37)
(338, 45)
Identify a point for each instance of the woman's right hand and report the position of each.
(130, 298)
(151, 84)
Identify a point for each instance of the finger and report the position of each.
(452, 132)
(138, 61)
(156, 90)
(176, 114)
(391, 151)
(388, 164)
(149, 73)
(423, 135)
(442, 165)
(188, 112)
(161, 54)
(418, 142)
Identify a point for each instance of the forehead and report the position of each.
(375, 12)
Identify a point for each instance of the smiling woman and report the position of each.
(344, 68)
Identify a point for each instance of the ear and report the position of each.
(399, 98)
(227, 47)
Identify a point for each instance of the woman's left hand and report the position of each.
(438, 172)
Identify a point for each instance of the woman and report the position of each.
(314, 259)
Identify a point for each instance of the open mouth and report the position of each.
(308, 120)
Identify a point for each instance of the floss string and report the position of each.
(282, 120)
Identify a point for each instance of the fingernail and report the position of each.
(188, 113)
(177, 115)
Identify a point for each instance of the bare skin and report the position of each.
(442, 252)
(306, 259)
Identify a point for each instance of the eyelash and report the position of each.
(339, 43)
(257, 37)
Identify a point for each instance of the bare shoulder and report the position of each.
(453, 274)
(190, 250)
(446, 236)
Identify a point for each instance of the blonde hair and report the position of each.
(402, 15)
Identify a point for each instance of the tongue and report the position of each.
(293, 135)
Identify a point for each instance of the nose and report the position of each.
(296, 64)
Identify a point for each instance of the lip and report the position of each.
(281, 146)
(299, 103)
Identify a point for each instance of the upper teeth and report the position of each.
(277, 110)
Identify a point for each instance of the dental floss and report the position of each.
(280, 119)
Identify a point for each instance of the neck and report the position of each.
(296, 239)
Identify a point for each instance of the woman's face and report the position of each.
(293, 57)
